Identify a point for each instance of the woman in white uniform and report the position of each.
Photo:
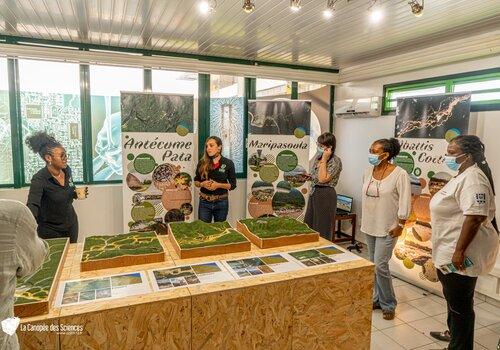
(386, 205)
(464, 234)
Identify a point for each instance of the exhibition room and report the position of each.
(249, 174)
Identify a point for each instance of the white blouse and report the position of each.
(469, 193)
(385, 201)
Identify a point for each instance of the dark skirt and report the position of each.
(321, 209)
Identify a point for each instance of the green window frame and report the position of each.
(85, 102)
(450, 82)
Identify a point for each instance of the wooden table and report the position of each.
(326, 307)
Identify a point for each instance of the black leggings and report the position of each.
(459, 293)
(45, 232)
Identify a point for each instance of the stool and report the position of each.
(339, 236)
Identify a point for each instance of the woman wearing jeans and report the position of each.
(386, 205)
(215, 176)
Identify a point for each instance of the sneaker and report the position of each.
(388, 314)
(442, 336)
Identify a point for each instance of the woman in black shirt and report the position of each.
(215, 176)
(52, 191)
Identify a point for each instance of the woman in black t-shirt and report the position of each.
(52, 190)
(215, 176)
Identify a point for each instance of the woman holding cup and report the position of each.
(52, 190)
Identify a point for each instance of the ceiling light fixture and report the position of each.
(207, 6)
(416, 8)
(375, 12)
(330, 9)
(295, 5)
(248, 6)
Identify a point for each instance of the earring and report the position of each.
(50, 162)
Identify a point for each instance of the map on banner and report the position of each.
(424, 126)
(158, 147)
(278, 158)
(189, 275)
(261, 265)
(102, 288)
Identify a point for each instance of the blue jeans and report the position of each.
(380, 251)
(217, 210)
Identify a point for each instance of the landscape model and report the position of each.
(269, 232)
(34, 293)
(198, 238)
(134, 248)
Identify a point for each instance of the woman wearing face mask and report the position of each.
(52, 191)
(215, 176)
(464, 234)
(325, 173)
(386, 204)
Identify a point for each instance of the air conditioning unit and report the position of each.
(367, 107)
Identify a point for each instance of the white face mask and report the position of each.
(321, 150)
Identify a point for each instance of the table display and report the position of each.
(271, 232)
(280, 310)
(134, 248)
(34, 293)
(198, 239)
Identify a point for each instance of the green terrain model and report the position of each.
(272, 227)
(36, 287)
(108, 247)
(200, 234)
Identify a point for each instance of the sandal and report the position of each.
(388, 314)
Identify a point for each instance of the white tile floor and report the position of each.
(418, 312)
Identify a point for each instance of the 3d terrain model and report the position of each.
(134, 248)
(198, 238)
(271, 232)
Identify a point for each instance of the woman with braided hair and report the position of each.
(52, 191)
(464, 235)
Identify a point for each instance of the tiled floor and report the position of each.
(419, 312)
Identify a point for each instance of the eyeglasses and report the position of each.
(377, 187)
(62, 155)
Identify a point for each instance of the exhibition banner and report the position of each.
(158, 160)
(278, 157)
(424, 126)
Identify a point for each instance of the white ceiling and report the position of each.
(271, 33)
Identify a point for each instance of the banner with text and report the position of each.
(424, 126)
(158, 160)
(278, 157)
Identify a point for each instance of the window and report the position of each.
(484, 87)
(269, 89)
(393, 95)
(227, 116)
(6, 173)
(50, 101)
(483, 91)
(105, 86)
(319, 95)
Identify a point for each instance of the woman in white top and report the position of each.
(386, 206)
(464, 234)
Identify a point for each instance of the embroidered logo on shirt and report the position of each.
(222, 168)
(480, 198)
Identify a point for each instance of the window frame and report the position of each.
(449, 81)
(250, 93)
